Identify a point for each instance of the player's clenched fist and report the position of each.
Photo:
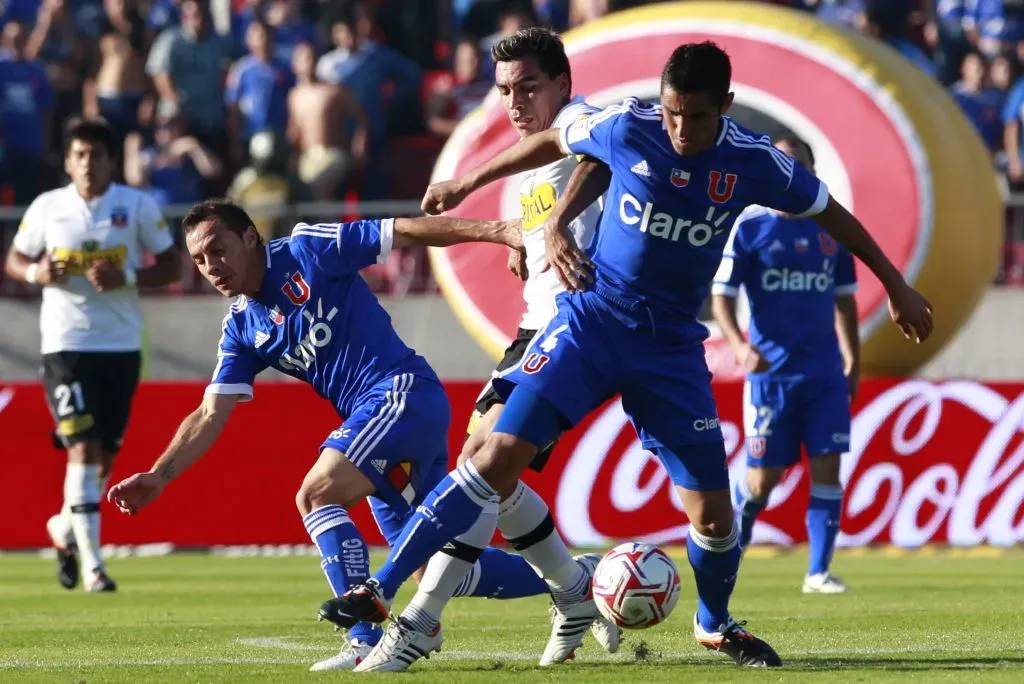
(135, 492)
(911, 312)
(50, 270)
(442, 197)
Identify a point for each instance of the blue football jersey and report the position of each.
(667, 217)
(791, 271)
(315, 318)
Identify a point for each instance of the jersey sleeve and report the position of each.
(341, 248)
(595, 135)
(846, 273)
(735, 265)
(237, 365)
(30, 239)
(786, 185)
(153, 231)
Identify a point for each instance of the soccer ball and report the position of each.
(636, 585)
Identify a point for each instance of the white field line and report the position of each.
(294, 644)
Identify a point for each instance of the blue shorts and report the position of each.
(594, 349)
(398, 438)
(781, 414)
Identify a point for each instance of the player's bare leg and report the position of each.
(713, 550)
(823, 513)
(330, 487)
(751, 496)
(80, 516)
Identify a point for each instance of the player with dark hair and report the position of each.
(535, 84)
(682, 171)
(802, 362)
(85, 245)
(302, 307)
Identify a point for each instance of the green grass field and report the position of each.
(942, 616)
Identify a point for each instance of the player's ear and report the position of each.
(563, 85)
(251, 237)
(728, 102)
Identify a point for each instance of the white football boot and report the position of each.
(824, 583)
(401, 646)
(351, 654)
(569, 624)
(607, 633)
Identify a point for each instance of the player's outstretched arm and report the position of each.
(532, 152)
(194, 437)
(907, 307)
(588, 182)
(442, 231)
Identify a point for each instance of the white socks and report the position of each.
(82, 502)
(446, 571)
(525, 521)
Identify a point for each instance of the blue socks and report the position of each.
(747, 509)
(501, 575)
(715, 563)
(345, 558)
(823, 525)
(460, 501)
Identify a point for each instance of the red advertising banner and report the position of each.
(929, 462)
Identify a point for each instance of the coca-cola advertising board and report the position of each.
(930, 462)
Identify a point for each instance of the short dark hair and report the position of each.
(540, 43)
(226, 212)
(91, 130)
(797, 142)
(699, 68)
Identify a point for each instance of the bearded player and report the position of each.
(682, 171)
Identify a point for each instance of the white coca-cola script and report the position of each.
(929, 462)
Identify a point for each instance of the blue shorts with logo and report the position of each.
(398, 438)
(783, 413)
(595, 348)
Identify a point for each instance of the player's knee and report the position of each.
(825, 469)
(319, 490)
(86, 451)
(710, 512)
(761, 481)
(501, 460)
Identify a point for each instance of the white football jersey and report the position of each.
(538, 191)
(121, 225)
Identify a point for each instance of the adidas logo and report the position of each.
(380, 464)
(261, 338)
(775, 246)
(641, 168)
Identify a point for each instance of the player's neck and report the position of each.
(259, 272)
(90, 194)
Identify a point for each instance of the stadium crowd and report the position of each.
(282, 101)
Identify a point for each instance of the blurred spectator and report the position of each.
(264, 187)
(26, 106)
(379, 77)
(1002, 74)
(174, 168)
(552, 13)
(1013, 115)
(846, 12)
(888, 21)
(980, 103)
(118, 84)
(582, 11)
(188, 65)
(450, 103)
(285, 19)
(999, 25)
(163, 14)
(327, 127)
(257, 91)
(59, 44)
